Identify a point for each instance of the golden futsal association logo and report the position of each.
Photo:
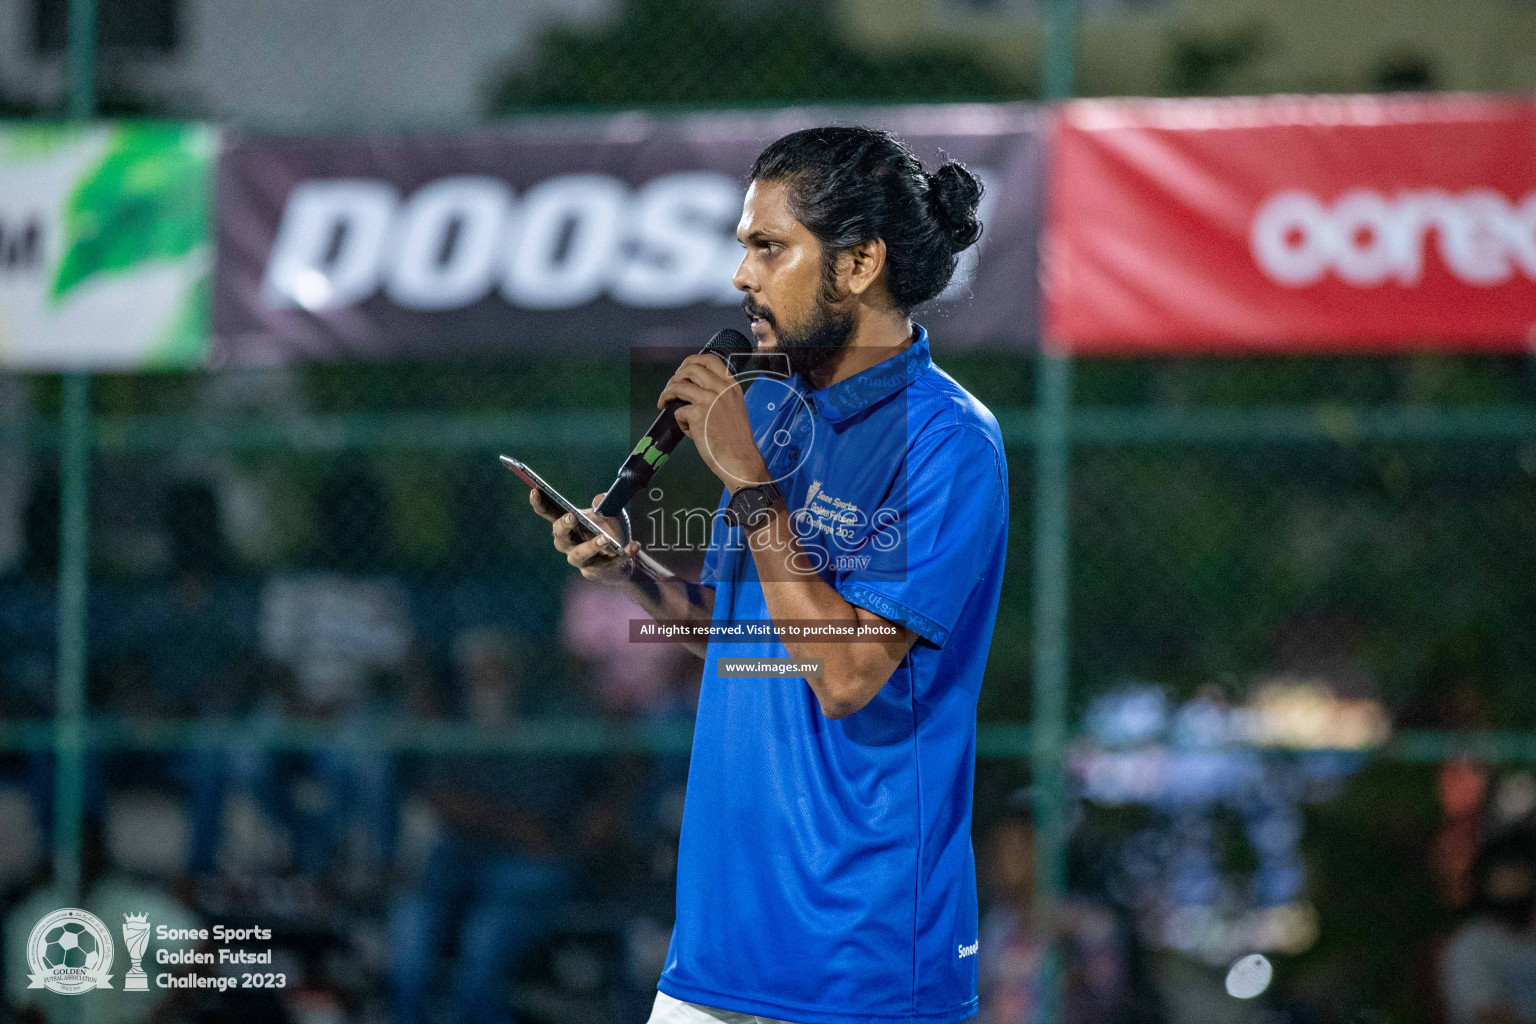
(68, 952)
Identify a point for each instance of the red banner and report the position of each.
(1348, 224)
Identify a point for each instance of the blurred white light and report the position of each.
(1249, 977)
(1515, 799)
(311, 289)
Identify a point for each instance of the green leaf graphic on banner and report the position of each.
(147, 199)
(185, 341)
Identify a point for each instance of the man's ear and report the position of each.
(863, 265)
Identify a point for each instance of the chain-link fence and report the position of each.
(1296, 554)
(333, 661)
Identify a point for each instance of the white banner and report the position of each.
(105, 245)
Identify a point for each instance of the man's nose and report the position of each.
(742, 279)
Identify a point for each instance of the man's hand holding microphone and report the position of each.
(702, 401)
(702, 392)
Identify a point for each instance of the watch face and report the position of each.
(746, 503)
(737, 510)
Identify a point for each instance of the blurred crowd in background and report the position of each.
(367, 864)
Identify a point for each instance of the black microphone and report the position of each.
(664, 435)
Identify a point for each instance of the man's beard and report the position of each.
(813, 346)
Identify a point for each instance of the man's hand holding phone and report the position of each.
(597, 557)
(591, 543)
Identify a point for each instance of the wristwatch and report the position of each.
(749, 503)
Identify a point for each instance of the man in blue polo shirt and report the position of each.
(825, 873)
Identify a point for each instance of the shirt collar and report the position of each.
(865, 388)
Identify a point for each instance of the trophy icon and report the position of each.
(136, 937)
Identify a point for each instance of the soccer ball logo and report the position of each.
(70, 951)
(70, 945)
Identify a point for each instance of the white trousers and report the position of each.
(674, 1011)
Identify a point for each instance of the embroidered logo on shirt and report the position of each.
(833, 516)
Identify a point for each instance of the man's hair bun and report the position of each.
(954, 195)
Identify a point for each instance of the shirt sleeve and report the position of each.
(709, 575)
(936, 536)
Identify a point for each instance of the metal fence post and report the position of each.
(82, 59)
(1051, 657)
(69, 714)
(1052, 644)
(73, 568)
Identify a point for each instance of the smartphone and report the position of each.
(532, 479)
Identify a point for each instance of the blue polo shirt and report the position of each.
(825, 871)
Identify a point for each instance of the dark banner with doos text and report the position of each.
(596, 231)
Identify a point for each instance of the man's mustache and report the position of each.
(754, 311)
